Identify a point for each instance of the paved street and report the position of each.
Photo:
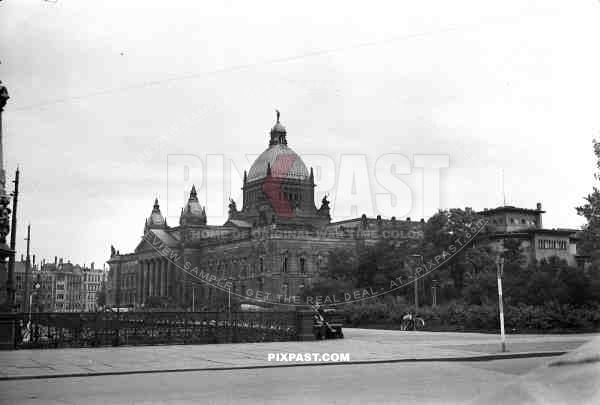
(348, 384)
(400, 382)
(361, 344)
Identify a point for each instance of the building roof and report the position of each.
(238, 223)
(168, 238)
(278, 158)
(510, 208)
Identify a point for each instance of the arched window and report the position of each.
(262, 265)
(302, 265)
(284, 268)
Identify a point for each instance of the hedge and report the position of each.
(460, 317)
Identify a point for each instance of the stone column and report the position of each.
(151, 278)
(185, 296)
(157, 277)
(146, 281)
(169, 279)
(154, 278)
(138, 284)
(163, 277)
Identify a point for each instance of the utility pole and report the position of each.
(13, 243)
(27, 270)
(500, 266)
(416, 283)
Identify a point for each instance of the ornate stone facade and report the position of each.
(275, 244)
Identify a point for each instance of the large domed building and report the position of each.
(273, 246)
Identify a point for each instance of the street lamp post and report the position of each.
(36, 287)
(416, 283)
(499, 268)
(434, 288)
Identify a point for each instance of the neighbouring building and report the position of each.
(61, 287)
(536, 242)
(92, 284)
(276, 243)
(66, 287)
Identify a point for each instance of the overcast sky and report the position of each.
(103, 92)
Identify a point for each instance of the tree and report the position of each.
(455, 228)
(590, 243)
(342, 265)
(324, 288)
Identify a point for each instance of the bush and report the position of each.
(456, 316)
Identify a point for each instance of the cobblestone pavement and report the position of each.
(362, 345)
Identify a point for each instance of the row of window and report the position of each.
(93, 278)
(301, 262)
(513, 221)
(552, 244)
(290, 196)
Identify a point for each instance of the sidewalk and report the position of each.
(363, 345)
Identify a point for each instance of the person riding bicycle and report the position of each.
(408, 320)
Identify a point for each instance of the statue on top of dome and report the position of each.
(278, 114)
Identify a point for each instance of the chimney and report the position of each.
(468, 210)
(22, 258)
(55, 260)
(92, 265)
(33, 264)
(539, 206)
(422, 220)
(407, 219)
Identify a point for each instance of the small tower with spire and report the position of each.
(156, 220)
(193, 213)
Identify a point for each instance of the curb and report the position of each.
(485, 357)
